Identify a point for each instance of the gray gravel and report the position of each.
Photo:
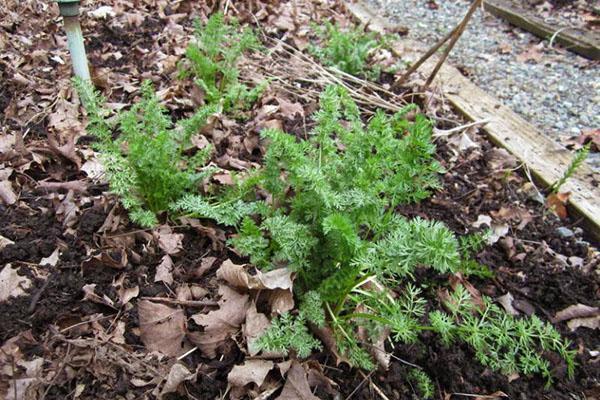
(560, 93)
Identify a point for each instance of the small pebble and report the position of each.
(564, 232)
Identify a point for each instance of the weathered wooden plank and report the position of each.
(577, 40)
(546, 159)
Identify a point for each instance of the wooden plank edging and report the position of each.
(577, 40)
(546, 159)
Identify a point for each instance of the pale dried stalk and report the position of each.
(298, 67)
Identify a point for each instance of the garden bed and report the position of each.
(85, 277)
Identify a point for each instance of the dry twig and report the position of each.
(452, 36)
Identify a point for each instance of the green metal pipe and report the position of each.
(69, 10)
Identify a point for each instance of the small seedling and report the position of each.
(347, 50)
(212, 63)
(576, 162)
(144, 154)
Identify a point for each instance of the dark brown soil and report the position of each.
(539, 282)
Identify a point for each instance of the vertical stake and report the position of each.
(69, 10)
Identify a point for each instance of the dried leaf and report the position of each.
(482, 220)
(252, 371)
(576, 311)
(5, 242)
(7, 193)
(102, 12)
(500, 159)
(288, 109)
(317, 379)
(89, 291)
(126, 294)
(177, 374)
(506, 302)
(12, 284)
(297, 387)
(75, 186)
(52, 259)
(112, 258)
(256, 324)
(169, 242)
(162, 328)
(237, 276)
(280, 300)
(590, 323)
(164, 271)
(220, 324)
(557, 202)
(205, 265)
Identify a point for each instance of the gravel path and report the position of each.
(554, 89)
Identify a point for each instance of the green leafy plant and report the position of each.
(289, 332)
(347, 50)
(423, 383)
(332, 220)
(144, 154)
(576, 162)
(212, 62)
(501, 341)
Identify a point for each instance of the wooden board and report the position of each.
(545, 158)
(580, 41)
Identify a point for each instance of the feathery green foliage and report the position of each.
(423, 383)
(291, 332)
(213, 59)
(344, 199)
(347, 50)
(577, 160)
(501, 341)
(145, 162)
(332, 221)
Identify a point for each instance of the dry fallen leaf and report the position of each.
(288, 109)
(177, 375)
(162, 328)
(52, 259)
(256, 324)
(7, 194)
(506, 301)
(11, 283)
(557, 202)
(252, 371)
(5, 242)
(499, 159)
(280, 300)
(168, 241)
(590, 323)
(576, 311)
(237, 276)
(126, 294)
(533, 53)
(220, 324)
(297, 387)
(164, 271)
(89, 291)
(112, 258)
